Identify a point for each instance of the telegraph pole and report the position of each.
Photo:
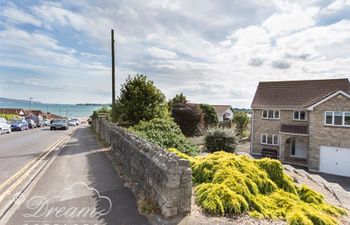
(113, 76)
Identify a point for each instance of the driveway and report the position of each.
(344, 182)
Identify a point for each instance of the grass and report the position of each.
(9, 116)
(228, 184)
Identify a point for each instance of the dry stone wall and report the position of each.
(158, 174)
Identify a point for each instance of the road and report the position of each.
(80, 179)
(19, 148)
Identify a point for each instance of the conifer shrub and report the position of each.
(217, 139)
(228, 184)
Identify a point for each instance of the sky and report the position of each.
(213, 52)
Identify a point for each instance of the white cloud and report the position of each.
(213, 51)
(291, 21)
(161, 53)
(17, 16)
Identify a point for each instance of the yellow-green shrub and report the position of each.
(231, 184)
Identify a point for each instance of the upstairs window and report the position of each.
(270, 114)
(299, 115)
(337, 118)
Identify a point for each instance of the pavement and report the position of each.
(20, 147)
(80, 186)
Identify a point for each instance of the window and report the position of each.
(337, 118)
(299, 115)
(270, 114)
(347, 119)
(329, 118)
(267, 139)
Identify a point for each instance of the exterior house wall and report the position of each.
(321, 134)
(221, 115)
(270, 126)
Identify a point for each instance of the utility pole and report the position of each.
(113, 77)
(30, 103)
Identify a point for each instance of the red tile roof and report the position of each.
(296, 94)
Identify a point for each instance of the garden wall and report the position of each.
(153, 171)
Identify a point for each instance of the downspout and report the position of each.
(251, 134)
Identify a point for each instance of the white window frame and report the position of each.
(267, 137)
(299, 115)
(333, 116)
(267, 114)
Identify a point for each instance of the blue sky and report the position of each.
(212, 51)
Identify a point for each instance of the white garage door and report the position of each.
(335, 160)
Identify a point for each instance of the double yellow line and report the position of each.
(16, 179)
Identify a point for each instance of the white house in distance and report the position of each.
(223, 112)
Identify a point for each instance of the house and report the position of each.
(223, 112)
(304, 122)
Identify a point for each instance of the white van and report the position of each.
(5, 127)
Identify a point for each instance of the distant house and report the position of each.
(304, 122)
(14, 111)
(223, 112)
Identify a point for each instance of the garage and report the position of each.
(334, 160)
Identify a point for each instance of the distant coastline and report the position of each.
(68, 110)
(12, 100)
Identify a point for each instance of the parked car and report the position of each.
(72, 122)
(60, 124)
(31, 123)
(39, 121)
(19, 125)
(76, 120)
(5, 127)
(46, 122)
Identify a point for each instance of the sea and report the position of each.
(65, 110)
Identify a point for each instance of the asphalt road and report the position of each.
(19, 148)
(80, 179)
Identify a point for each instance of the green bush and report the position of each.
(165, 133)
(9, 116)
(140, 100)
(217, 139)
(104, 109)
(188, 117)
(210, 117)
(241, 120)
(178, 99)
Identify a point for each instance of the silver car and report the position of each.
(5, 127)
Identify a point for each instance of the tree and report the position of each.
(241, 120)
(140, 100)
(210, 116)
(178, 99)
(188, 117)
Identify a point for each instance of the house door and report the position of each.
(298, 149)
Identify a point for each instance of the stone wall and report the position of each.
(154, 172)
(321, 134)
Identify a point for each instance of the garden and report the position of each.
(226, 184)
